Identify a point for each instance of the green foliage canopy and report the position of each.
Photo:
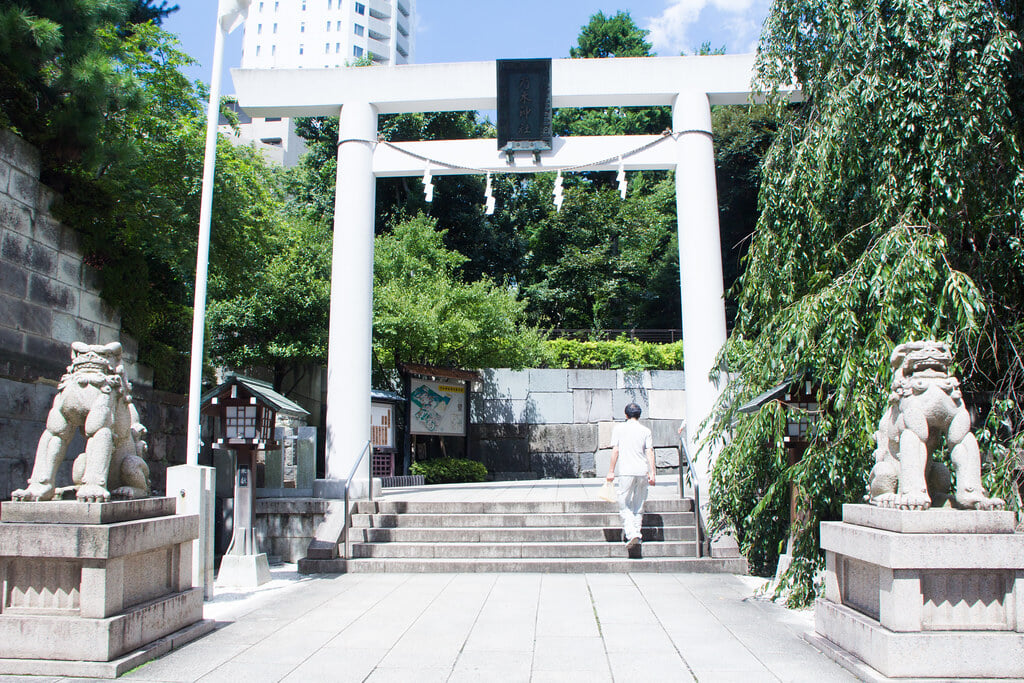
(60, 78)
(138, 212)
(615, 36)
(890, 211)
(97, 86)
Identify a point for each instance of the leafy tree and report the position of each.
(890, 211)
(138, 210)
(616, 36)
(150, 10)
(590, 271)
(424, 313)
(592, 264)
(60, 76)
(280, 321)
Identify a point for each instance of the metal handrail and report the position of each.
(348, 481)
(696, 494)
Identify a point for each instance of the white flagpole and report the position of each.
(236, 12)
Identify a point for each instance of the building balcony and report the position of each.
(402, 8)
(381, 30)
(402, 28)
(378, 47)
(380, 9)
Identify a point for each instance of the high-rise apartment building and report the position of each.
(317, 34)
(324, 34)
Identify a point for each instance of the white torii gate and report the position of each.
(689, 84)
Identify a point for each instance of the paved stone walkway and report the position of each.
(497, 627)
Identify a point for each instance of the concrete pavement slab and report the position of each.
(406, 674)
(248, 671)
(338, 664)
(571, 677)
(504, 665)
(497, 636)
(648, 666)
(638, 639)
(570, 653)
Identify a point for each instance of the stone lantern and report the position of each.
(248, 410)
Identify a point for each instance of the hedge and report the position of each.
(449, 470)
(617, 354)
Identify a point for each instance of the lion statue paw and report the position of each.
(92, 493)
(34, 492)
(977, 500)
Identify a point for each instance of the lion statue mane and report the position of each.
(925, 404)
(95, 396)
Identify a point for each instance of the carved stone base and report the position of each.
(96, 591)
(925, 594)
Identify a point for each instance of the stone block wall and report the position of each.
(49, 298)
(546, 423)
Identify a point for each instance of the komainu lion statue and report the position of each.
(93, 395)
(925, 404)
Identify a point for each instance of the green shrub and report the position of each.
(615, 354)
(449, 470)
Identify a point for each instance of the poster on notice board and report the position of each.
(437, 407)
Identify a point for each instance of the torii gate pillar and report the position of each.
(700, 261)
(350, 331)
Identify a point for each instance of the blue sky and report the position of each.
(482, 30)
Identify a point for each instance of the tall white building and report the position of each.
(324, 34)
(317, 34)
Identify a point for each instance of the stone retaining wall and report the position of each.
(558, 423)
(48, 299)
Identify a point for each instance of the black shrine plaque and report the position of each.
(524, 105)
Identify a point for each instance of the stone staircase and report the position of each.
(524, 536)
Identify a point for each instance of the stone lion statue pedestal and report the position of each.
(926, 582)
(923, 594)
(95, 589)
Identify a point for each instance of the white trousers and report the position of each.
(632, 492)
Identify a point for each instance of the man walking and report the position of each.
(633, 452)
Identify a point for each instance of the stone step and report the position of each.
(513, 507)
(596, 519)
(551, 566)
(550, 550)
(499, 534)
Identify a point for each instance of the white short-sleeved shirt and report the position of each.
(633, 440)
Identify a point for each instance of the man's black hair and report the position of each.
(633, 410)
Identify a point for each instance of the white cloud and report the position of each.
(671, 32)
